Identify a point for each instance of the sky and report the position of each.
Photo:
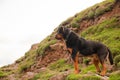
(25, 22)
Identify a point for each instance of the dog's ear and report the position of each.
(62, 28)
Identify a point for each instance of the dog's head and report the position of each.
(62, 32)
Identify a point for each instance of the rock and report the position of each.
(102, 77)
(28, 75)
(43, 69)
(34, 46)
(60, 76)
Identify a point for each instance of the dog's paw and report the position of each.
(77, 71)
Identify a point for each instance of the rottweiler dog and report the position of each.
(78, 45)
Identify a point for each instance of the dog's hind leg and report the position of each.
(104, 69)
(96, 63)
(102, 55)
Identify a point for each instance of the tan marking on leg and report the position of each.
(76, 64)
(96, 63)
(104, 69)
(70, 50)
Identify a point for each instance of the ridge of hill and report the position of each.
(49, 59)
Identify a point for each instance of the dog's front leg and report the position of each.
(75, 59)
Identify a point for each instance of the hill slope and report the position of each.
(50, 60)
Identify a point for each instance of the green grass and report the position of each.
(60, 66)
(90, 78)
(44, 75)
(30, 57)
(115, 76)
(28, 61)
(90, 68)
(117, 60)
(44, 45)
(2, 74)
(73, 77)
(82, 77)
(54, 68)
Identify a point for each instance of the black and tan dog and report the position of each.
(76, 44)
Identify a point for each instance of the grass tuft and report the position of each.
(44, 45)
(60, 66)
(2, 74)
(115, 76)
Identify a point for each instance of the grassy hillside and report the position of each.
(49, 60)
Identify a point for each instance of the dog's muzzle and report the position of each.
(58, 36)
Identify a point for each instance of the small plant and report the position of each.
(117, 59)
(2, 74)
(99, 11)
(28, 61)
(24, 66)
(91, 14)
(75, 25)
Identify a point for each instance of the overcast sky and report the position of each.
(25, 22)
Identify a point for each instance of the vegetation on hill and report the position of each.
(100, 22)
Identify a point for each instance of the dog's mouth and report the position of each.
(58, 36)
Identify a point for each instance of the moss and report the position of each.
(115, 76)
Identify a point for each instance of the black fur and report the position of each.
(85, 47)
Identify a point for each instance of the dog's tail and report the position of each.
(110, 56)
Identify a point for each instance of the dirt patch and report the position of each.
(52, 54)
